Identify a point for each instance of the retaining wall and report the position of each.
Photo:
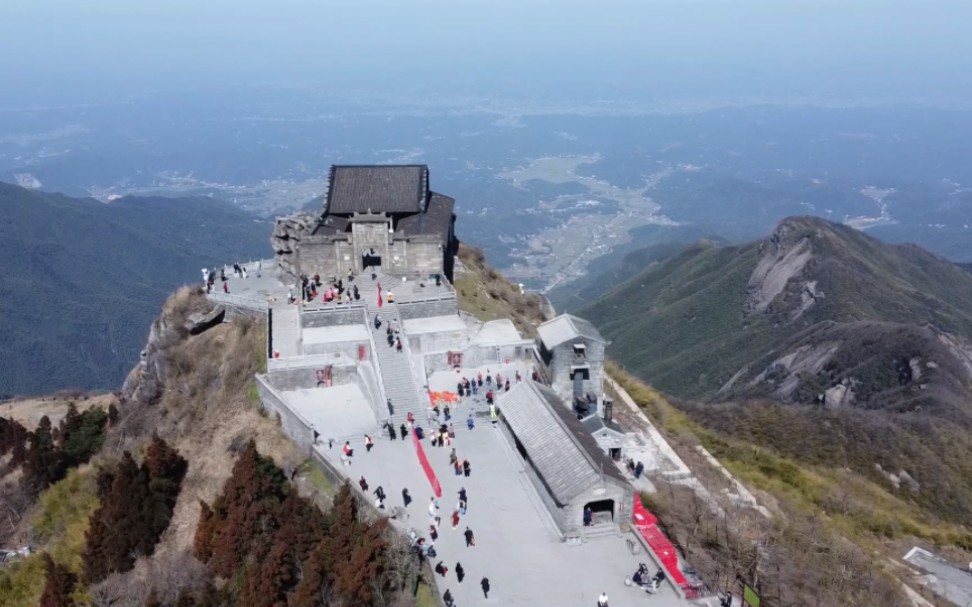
(329, 316)
(305, 376)
(424, 309)
(293, 424)
(475, 356)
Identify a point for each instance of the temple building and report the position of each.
(374, 216)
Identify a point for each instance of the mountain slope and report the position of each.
(809, 306)
(648, 244)
(82, 279)
(870, 341)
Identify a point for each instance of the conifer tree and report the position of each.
(136, 507)
(43, 463)
(59, 585)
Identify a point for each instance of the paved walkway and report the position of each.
(517, 545)
(944, 578)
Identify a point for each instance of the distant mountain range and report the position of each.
(871, 341)
(82, 280)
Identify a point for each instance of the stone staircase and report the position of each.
(395, 368)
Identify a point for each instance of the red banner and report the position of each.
(429, 472)
(647, 526)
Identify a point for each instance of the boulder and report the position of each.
(199, 322)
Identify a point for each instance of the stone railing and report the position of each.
(239, 302)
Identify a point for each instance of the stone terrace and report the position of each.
(519, 548)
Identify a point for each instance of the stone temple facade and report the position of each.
(373, 216)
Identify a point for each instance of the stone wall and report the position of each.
(295, 426)
(475, 356)
(442, 341)
(424, 309)
(341, 349)
(369, 385)
(327, 257)
(426, 257)
(333, 315)
(304, 376)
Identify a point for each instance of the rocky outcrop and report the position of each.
(785, 371)
(200, 321)
(185, 311)
(287, 233)
(144, 384)
(780, 262)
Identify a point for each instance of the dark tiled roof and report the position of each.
(566, 327)
(436, 220)
(383, 189)
(565, 455)
(593, 423)
(331, 224)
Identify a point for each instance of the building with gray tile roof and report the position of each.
(572, 352)
(372, 216)
(567, 327)
(569, 467)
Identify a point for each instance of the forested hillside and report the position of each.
(82, 279)
(187, 496)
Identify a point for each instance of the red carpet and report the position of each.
(429, 472)
(647, 526)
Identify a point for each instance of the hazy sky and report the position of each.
(852, 51)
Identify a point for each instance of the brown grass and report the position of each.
(205, 412)
(485, 294)
(29, 411)
(804, 554)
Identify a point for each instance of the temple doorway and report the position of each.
(371, 260)
(603, 511)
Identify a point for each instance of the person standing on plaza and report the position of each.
(470, 538)
(460, 572)
(455, 519)
(462, 494)
(364, 484)
(485, 586)
(391, 432)
(433, 507)
(602, 601)
(369, 443)
(470, 422)
(404, 431)
(466, 468)
(406, 497)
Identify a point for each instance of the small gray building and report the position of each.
(563, 460)
(373, 216)
(571, 350)
(608, 434)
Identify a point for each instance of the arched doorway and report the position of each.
(370, 259)
(602, 511)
